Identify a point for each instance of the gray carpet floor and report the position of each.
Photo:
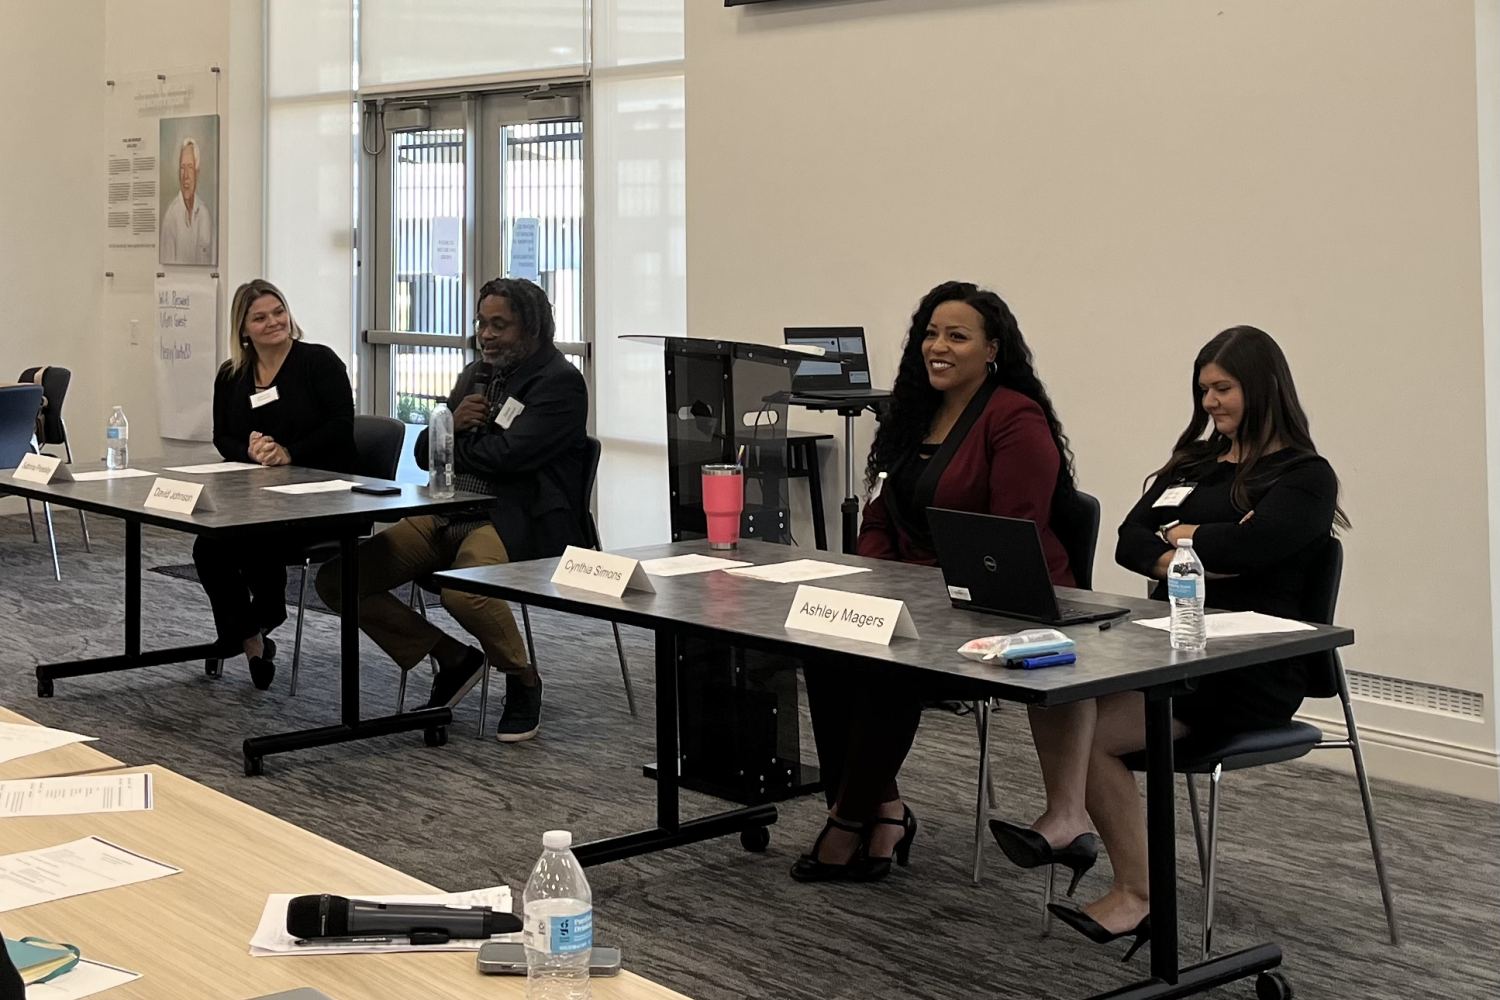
(711, 920)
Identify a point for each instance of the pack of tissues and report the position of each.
(1019, 646)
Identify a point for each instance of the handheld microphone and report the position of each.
(479, 384)
(424, 923)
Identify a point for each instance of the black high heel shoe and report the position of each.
(809, 869)
(875, 869)
(1028, 849)
(263, 667)
(1095, 932)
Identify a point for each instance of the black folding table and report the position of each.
(751, 614)
(243, 506)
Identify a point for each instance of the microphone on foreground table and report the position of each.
(328, 916)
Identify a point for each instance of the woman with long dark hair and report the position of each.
(1247, 485)
(970, 428)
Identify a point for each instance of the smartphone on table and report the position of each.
(502, 958)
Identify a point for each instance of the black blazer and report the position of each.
(312, 417)
(536, 467)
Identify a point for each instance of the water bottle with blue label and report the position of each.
(117, 441)
(1185, 590)
(558, 908)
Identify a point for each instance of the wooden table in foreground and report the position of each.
(189, 934)
(75, 758)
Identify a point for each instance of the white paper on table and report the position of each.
(75, 795)
(323, 486)
(1232, 624)
(690, 563)
(17, 740)
(271, 938)
(86, 865)
(83, 980)
(102, 474)
(797, 571)
(212, 467)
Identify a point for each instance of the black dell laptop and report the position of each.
(845, 373)
(996, 565)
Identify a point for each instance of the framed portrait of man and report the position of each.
(189, 190)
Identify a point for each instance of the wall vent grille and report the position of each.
(1415, 694)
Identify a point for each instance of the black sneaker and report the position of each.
(522, 716)
(452, 683)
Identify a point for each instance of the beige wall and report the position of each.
(51, 199)
(1134, 176)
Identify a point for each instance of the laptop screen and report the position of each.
(852, 372)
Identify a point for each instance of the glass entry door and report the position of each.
(458, 191)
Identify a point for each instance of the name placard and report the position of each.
(600, 572)
(178, 496)
(42, 469)
(850, 616)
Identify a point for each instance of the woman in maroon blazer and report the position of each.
(970, 428)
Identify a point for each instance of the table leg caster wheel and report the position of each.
(1273, 986)
(213, 668)
(43, 689)
(756, 839)
(254, 766)
(437, 736)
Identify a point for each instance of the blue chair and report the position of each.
(1213, 757)
(19, 407)
(1075, 522)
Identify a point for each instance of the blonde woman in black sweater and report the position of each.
(277, 401)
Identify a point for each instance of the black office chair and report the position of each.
(590, 532)
(19, 407)
(1213, 756)
(53, 431)
(1075, 522)
(377, 454)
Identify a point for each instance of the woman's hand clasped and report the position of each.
(265, 450)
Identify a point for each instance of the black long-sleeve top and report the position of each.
(312, 416)
(1293, 495)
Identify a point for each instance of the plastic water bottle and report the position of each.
(440, 453)
(117, 441)
(1185, 578)
(558, 908)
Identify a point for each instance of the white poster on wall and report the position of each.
(187, 309)
(447, 246)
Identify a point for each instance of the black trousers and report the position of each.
(245, 580)
(864, 723)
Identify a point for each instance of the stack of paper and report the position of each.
(85, 979)
(84, 793)
(271, 938)
(326, 486)
(684, 565)
(1232, 624)
(212, 467)
(86, 865)
(17, 740)
(797, 571)
(102, 474)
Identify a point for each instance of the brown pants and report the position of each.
(410, 549)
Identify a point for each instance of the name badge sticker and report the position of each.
(850, 616)
(509, 411)
(179, 497)
(600, 572)
(42, 469)
(1174, 496)
(260, 399)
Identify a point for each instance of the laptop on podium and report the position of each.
(833, 378)
(996, 565)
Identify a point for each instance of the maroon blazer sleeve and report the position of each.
(877, 532)
(1023, 465)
